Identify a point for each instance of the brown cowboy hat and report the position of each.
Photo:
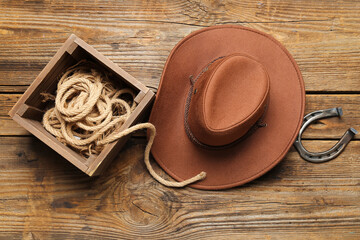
(230, 103)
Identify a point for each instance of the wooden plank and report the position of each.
(10, 127)
(45, 196)
(7, 101)
(322, 39)
(13, 88)
(332, 128)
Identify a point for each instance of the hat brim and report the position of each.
(259, 152)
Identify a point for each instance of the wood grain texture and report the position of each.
(42, 196)
(138, 35)
(126, 202)
(331, 128)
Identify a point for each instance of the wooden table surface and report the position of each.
(42, 196)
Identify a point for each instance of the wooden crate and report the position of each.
(28, 111)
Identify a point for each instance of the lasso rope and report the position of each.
(88, 114)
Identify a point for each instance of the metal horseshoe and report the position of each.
(333, 152)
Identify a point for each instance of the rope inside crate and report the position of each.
(89, 113)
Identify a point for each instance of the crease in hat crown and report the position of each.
(227, 100)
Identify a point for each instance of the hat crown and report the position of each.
(228, 98)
